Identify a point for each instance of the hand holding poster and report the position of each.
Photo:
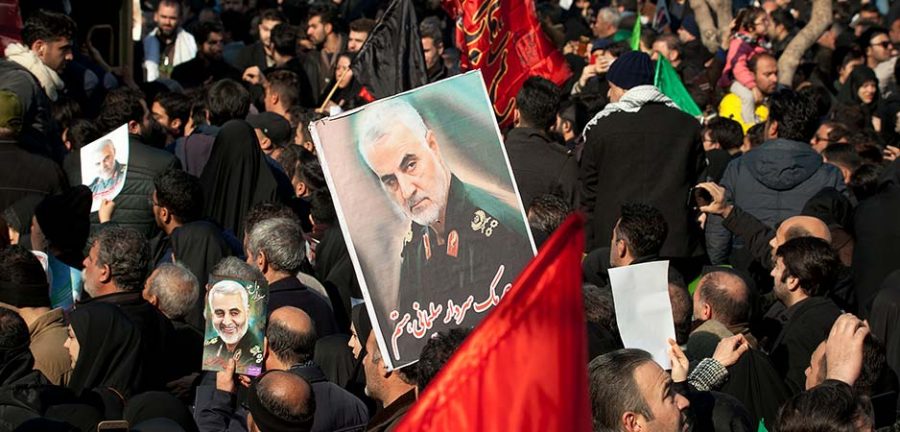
(235, 326)
(426, 200)
(104, 164)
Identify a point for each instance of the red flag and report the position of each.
(524, 368)
(504, 39)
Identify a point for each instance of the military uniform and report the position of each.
(481, 234)
(216, 354)
(100, 185)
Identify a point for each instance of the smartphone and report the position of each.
(583, 47)
(113, 426)
(702, 197)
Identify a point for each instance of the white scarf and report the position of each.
(631, 102)
(185, 50)
(49, 79)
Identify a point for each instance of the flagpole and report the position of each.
(333, 89)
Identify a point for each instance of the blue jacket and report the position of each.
(772, 183)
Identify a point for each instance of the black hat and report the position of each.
(65, 218)
(272, 125)
(632, 69)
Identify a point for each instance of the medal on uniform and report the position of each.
(427, 242)
(453, 243)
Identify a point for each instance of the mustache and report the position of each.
(414, 200)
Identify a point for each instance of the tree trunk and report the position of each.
(723, 17)
(819, 22)
(709, 34)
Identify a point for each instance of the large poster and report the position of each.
(429, 209)
(104, 164)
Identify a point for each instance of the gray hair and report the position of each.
(176, 288)
(376, 123)
(610, 16)
(282, 242)
(233, 268)
(613, 389)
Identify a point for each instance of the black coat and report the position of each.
(291, 292)
(40, 134)
(541, 166)
(23, 174)
(654, 155)
(251, 55)
(877, 250)
(805, 326)
(336, 408)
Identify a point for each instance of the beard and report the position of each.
(431, 212)
(88, 286)
(155, 135)
(233, 338)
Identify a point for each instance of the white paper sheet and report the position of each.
(643, 308)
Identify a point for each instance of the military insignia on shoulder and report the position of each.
(212, 341)
(408, 238)
(483, 223)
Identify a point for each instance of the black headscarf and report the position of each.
(335, 270)
(849, 93)
(335, 358)
(236, 176)
(65, 222)
(156, 405)
(110, 349)
(199, 246)
(15, 364)
(885, 319)
(18, 215)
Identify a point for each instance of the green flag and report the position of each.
(636, 35)
(762, 426)
(667, 81)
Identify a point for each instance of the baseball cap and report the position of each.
(272, 125)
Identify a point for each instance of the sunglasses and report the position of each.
(885, 44)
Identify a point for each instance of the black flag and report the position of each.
(391, 60)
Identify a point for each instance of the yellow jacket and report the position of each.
(730, 107)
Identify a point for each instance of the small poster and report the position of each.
(429, 209)
(104, 164)
(235, 325)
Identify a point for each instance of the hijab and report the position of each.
(885, 319)
(849, 93)
(110, 349)
(199, 246)
(18, 215)
(15, 363)
(145, 407)
(236, 177)
(65, 222)
(335, 270)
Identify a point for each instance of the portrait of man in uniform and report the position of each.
(426, 199)
(109, 171)
(228, 321)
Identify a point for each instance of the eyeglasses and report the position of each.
(884, 45)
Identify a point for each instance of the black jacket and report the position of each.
(23, 173)
(251, 55)
(805, 326)
(654, 155)
(199, 71)
(541, 166)
(337, 410)
(291, 292)
(133, 208)
(40, 134)
(877, 250)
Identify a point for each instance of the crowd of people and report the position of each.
(777, 210)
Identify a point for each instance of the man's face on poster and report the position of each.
(229, 316)
(106, 161)
(412, 173)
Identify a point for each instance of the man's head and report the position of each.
(210, 36)
(639, 232)
(682, 309)
(804, 267)
(290, 338)
(359, 32)
(105, 160)
(632, 69)
(226, 100)
(606, 23)
(125, 105)
(799, 226)
(570, 119)
(119, 260)
(284, 42)
(791, 116)
(432, 43)
(895, 30)
(235, 268)
(722, 133)
(273, 132)
(782, 23)
(171, 111)
(382, 385)
(229, 307)
(844, 157)
(13, 332)
(765, 72)
(173, 289)
(630, 392)
(281, 91)
(435, 354)
(689, 31)
(547, 212)
(723, 296)
(876, 43)
(23, 283)
(281, 401)
(321, 22)
(832, 406)
(167, 17)
(403, 154)
(537, 103)
(49, 35)
(828, 132)
(268, 19)
(275, 247)
(177, 199)
(669, 46)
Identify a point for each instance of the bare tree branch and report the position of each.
(709, 34)
(819, 22)
(723, 18)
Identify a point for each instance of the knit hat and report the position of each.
(65, 218)
(689, 24)
(11, 111)
(632, 69)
